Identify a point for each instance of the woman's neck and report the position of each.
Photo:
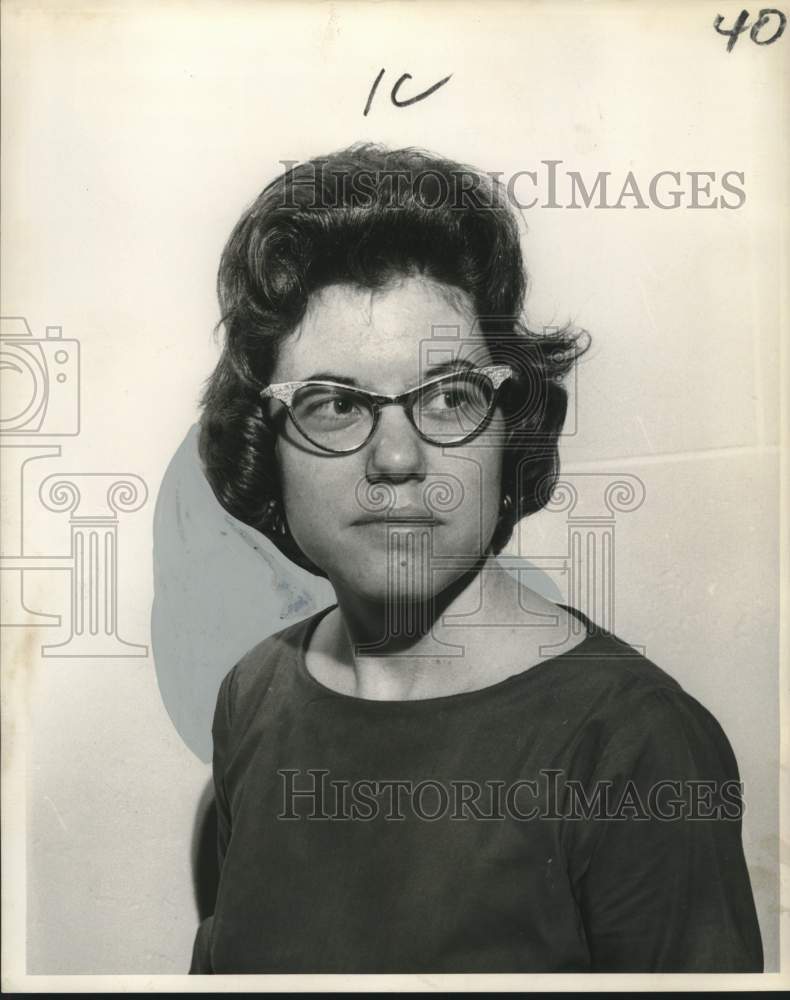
(403, 621)
(401, 650)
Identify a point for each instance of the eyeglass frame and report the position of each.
(284, 392)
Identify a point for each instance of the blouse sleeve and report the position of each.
(220, 731)
(665, 886)
(201, 950)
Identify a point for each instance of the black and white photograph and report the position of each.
(393, 455)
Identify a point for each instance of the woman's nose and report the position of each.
(396, 450)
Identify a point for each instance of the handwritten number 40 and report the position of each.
(740, 25)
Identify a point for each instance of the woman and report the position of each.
(443, 772)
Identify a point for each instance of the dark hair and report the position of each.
(364, 216)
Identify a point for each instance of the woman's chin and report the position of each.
(399, 586)
(395, 593)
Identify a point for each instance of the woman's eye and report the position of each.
(341, 405)
(327, 406)
(336, 405)
(454, 398)
(446, 399)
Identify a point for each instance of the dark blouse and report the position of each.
(583, 815)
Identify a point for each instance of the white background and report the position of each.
(133, 136)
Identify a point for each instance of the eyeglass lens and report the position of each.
(341, 419)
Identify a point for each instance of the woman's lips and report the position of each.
(401, 515)
(395, 519)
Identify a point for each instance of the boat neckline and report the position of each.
(309, 625)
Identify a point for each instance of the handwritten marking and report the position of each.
(741, 25)
(396, 100)
(419, 97)
(376, 82)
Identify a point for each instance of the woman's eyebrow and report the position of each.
(455, 364)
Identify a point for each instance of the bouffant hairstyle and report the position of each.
(366, 216)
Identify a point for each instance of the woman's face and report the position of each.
(386, 341)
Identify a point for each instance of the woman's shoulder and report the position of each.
(604, 660)
(638, 706)
(254, 673)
